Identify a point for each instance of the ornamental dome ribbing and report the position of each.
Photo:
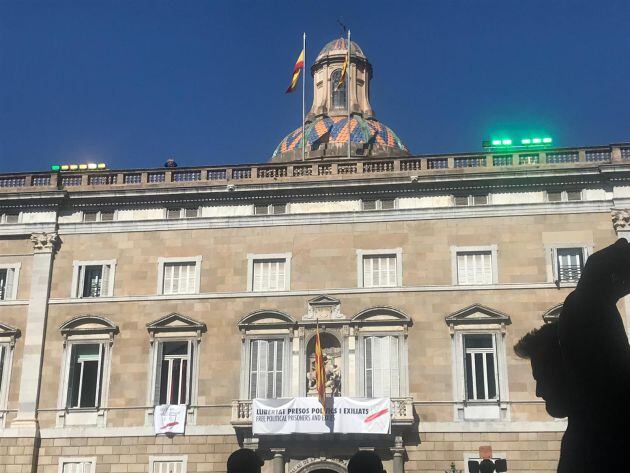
(368, 137)
(339, 46)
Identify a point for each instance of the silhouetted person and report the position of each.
(542, 348)
(593, 385)
(365, 461)
(244, 460)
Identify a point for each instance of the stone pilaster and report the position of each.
(278, 460)
(44, 247)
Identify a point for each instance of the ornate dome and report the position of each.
(332, 133)
(339, 46)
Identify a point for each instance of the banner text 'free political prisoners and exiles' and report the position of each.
(304, 415)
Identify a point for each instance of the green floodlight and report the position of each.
(506, 142)
(526, 141)
(496, 142)
(55, 167)
(536, 141)
(547, 140)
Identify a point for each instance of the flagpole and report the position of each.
(303, 96)
(348, 94)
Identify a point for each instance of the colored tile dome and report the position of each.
(334, 130)
(339, 46)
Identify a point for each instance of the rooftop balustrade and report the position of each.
(313, 170)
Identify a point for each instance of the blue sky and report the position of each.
(132, 82)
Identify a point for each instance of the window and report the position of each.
(9, 275)
(98, 216)
(7, 343)
(379, 268)
(379, 271)
(379, 204)
(270, 209)
(88, 340)
(77, 465)
(179, 275)
(382, 366)
(565, 262)
(177, 213)
(173, 363)
(480, 367)
(269, 272)
(474, 265)
(477, 199)
(564, 196)
(93, 278)
(338, 94)
(85, 375)
(167, 464)
(173, 379)
(266, 368)
(10, 217)
(479, 363)
(569, 264)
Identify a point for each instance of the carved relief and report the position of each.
(621, 220)
(331, 349)
(45, 241)
(324, 307)
(312, 464)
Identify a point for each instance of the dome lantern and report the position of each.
(326, 125)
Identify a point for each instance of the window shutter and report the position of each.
(81, 281)
(253, 369)
(367, 272)
(8, 285)
(71, 370)
(167, 285)
(263, 354)
(99, 377)
(157, 373)
(272, 276)
(189, 371)
(368, 366)
(392, 271)
(258, 270)
(394, 367)
(105, 280)
(278, 368)
(192, 272)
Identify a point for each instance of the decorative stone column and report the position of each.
(398, 452)
(44, 247)
(278, 460)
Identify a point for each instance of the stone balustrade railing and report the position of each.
(311, 170)
(402, 412)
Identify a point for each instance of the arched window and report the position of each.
(338, 90)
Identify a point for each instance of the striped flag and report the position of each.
(342, 77)
(299, 65)
(320, 371)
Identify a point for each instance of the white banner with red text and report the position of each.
(169, 419)
(303, 415)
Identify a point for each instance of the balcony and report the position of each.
(402, 416)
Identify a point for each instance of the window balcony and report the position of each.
(402, 415)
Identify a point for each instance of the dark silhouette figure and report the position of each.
(582, 366)
(244, 460)
(365, 461)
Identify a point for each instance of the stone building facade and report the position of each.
(124, 289)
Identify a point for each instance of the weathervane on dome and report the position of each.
(344, 28)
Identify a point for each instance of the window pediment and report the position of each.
(266, 318)
(324, 307)
(8, 333)
(88, 325)
(382, 316)
(175, 323)
(478, 314)
(552, 314)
